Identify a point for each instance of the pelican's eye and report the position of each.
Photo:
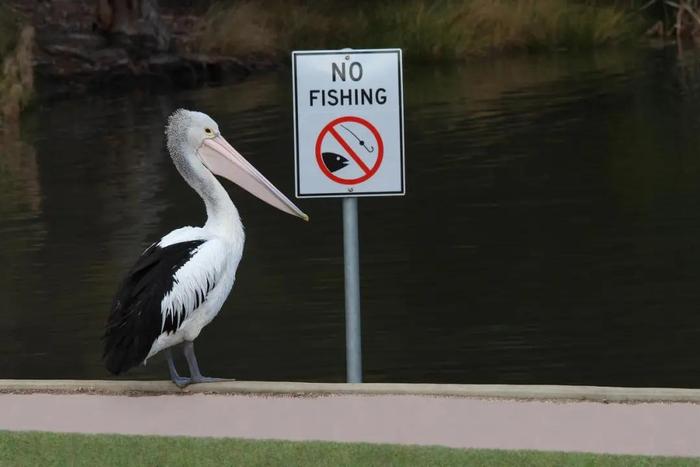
(208, 131)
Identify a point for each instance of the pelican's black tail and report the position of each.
(135, 319)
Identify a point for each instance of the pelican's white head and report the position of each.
(196, 137)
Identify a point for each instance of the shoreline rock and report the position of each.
(72, 56)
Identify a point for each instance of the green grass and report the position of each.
(442, 30)
(51, 449)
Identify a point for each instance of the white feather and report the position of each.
(205, 266)
(216, 260)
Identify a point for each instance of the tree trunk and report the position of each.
(133, 18)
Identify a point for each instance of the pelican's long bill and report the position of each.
(220, 157)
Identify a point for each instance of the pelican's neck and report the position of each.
(222, 216)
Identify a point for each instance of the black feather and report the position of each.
(135, 319)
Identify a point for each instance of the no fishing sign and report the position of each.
(348, 123)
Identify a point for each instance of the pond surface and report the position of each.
(550, 232)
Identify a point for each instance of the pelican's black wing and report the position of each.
(136, 320)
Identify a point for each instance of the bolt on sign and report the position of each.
(348, 123)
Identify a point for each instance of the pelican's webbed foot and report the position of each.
(182, 381)
(207, 379)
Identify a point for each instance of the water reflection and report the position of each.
(22, 234)
(548, 234)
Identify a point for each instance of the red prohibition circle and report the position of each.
(330, 128)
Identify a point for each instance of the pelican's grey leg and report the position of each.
(195, 374)
(180, 381)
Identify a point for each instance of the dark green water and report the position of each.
(550, 232)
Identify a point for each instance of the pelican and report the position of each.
(179, 283)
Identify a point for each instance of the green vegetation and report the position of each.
(431, 31)
(51, 449)
(16, 69)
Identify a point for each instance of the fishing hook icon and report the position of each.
(369, 149)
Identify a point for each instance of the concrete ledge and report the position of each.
(479, 391)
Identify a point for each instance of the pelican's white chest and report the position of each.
(218, 295)
(216, 260)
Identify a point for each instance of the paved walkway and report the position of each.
(658, 428)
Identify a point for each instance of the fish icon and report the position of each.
(334, 161)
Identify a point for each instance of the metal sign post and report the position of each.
(348, 142)
(353, 330)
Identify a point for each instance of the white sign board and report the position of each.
(348, 123)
